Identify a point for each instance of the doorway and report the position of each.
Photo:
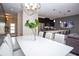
(11, 24)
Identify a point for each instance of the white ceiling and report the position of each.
(49, 10)
(12, 7)
(55, 10)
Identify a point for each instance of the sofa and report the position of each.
(73, 40)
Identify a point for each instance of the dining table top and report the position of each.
(42, 46)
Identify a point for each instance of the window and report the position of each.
(12, 28)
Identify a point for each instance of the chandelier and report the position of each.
(31, 8)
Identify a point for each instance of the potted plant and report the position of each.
(33, 24)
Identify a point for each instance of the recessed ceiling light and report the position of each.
(68, 10)
(7, 13)
(64, 14)
(54, 9)
(6, 16)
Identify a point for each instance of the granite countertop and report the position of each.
(52, 29)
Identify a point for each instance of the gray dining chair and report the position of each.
(8, 49)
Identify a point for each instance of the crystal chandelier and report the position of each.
(31, 8)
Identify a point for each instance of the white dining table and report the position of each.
(42, 46)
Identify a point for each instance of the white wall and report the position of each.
(2, 28)
(26, 30)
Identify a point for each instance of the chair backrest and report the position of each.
(1, 39)
(49, 35)
(59, 38)
(8, 40)
(6, 48)
(41, 33)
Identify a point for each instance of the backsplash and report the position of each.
(74, 19)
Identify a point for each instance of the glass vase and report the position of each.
(34, 33)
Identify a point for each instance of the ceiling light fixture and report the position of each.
(53, 20)
(31, 8)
